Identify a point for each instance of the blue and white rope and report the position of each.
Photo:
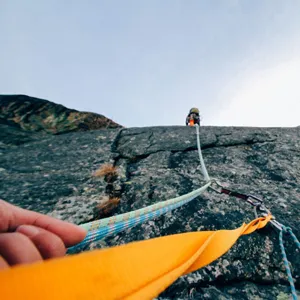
(112, 229)
(285, 260)
(100, 229)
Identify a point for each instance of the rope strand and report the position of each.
(100, 229)
(285, 260)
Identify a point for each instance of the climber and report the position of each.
(27, 236)
(193, 117)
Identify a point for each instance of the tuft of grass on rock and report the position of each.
(106, 170)
(106, 208)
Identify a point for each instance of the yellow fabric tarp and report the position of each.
(139, 270)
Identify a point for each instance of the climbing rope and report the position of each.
(258, 205)
(138, 270)
(136, 213)
(100, 229)
(288, 230)
(202, 164)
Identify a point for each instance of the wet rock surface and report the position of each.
(54, 175)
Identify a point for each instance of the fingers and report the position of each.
(29, 244)
(69, 233)
(48, 244)
(6, 216)
(3, 263)
(12, 217)
(16, 248)
(27, 236)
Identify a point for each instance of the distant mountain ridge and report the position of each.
(34, 114)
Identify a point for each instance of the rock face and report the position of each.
(38, 115)
(13, 135)
(53, 175)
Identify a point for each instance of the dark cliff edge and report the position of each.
(38, 115)
(53, 175)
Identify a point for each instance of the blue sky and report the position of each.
(146, 63)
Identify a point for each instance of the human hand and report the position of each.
(27, 236)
